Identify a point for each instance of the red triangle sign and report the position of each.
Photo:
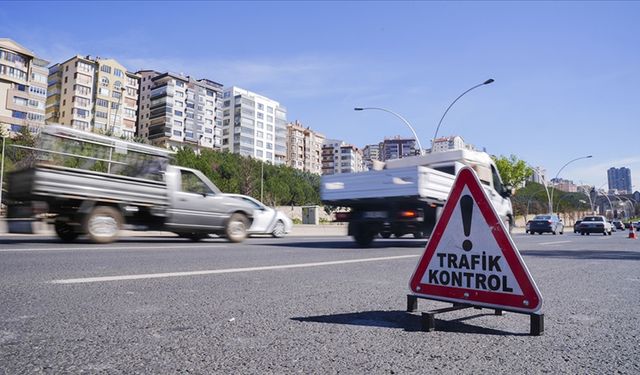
(470, 257)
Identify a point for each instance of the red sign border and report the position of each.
(467, 177)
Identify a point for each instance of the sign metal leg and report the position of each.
(537, 324)
(412, 303)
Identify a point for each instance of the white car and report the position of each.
(266, 220)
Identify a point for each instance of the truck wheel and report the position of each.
(65, 231)
(103, 224)
(419, 234)
(385, 234)
(236, 229)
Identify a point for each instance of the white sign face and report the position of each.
(470, 258)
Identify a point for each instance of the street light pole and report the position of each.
(401, 118)
(491, 80)
(261, 180)
(558, 174)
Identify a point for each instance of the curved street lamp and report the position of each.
(398, 116)
(558, 174)
(435, 135)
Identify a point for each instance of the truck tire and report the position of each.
(103, 224)
(363, 235)
(65, 231)
(236, 228)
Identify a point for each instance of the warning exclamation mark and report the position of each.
(466, 208)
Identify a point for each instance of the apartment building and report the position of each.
(369, 154)
(23, 87)
(340, 157)
(397, 148)
(177, 110)
(564, 185)
(93, 94)
(254, 125)
(304, 148)
(453, 142)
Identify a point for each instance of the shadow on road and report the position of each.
(584, 254)
(406, 321)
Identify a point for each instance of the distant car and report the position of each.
(576, 226)
(618, 224)
(546, 224)
(595, 224)
(613, 227)
(266, 220)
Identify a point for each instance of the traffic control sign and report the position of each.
(471, 258)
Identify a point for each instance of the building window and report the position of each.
(116, 94)
(106, 69)
(177, 123)
(177, 133)
(178, 113)
(179, 83)
(104, 81)
(102, 102)
(117, 72)
(20, 101)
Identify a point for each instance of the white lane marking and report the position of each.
(553, 243)
(99, 247)
(222, 271)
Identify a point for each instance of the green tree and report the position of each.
(512, 170)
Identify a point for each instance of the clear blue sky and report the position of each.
(567, 73)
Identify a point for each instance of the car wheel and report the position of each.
(103, 224)
(554, 232)
(385, 234)
(278, 230)
(236, 228)
(582, 233)
(610, 232)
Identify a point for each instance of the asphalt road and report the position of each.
(303, 305)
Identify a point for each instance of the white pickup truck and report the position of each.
(406, 196)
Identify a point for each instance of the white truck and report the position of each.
(406, 196)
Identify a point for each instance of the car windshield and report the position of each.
(542, 217)
(592, 218)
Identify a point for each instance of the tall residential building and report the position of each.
(304, 148)
(23, 87)
(177, 110)
(620, 179)
(454, 142)
(340, 157)
(397, 148)
(369, 154)
(254, 125)
(93, 94)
